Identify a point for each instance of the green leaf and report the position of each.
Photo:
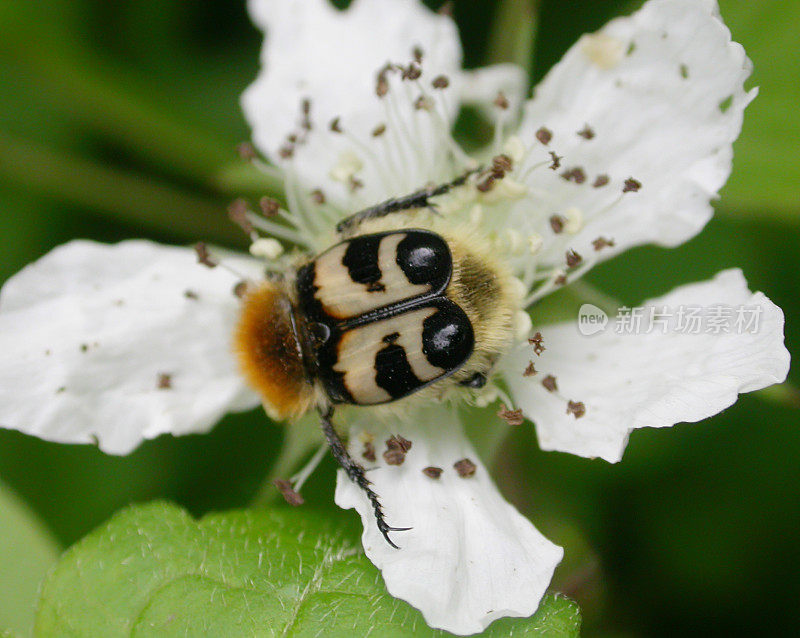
(766, 169)
(153, 570)
(26, 553)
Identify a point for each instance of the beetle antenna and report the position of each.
(356, 473)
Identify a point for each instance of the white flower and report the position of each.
(626, 142)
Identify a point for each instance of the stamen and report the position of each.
(602, 49)
(300, 478)
(266, 248)
(512, 417)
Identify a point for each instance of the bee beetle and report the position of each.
(405, 307)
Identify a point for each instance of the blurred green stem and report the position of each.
(784, 394)
(128, 198)
(103, 99)
(513, 33)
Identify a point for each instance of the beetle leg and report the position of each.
(418, 199)
(356, 473)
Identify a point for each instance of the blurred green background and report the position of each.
(121, 120)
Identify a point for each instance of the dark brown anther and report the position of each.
(501, 164)
(191, 294)
(336, 125)
(203, 256)
(288, 493)
(246, 151)
(573, 258)
(576, 409)
(512, 417)
(600, 181)
(379, 130)
(269, 207)
(602, 242)
(381, 85)
(355, 184)
(237, 212)
(317, 196)
(291, 138)
(537, 341)
(418, 54)
(411, 72)
(286, 152)
(575, 174)
(432, 472)
(549, 383)
(486, 184)
(369, 451)
(631, 185)
(586, 132)
(465, 468)
(397, 442)
(530, 370)
(556, 163)
(561, 280)
(440, 82)
(501, 101)
(557, 223)
(305, 106)
(240, 289)
(544, 135)
(164, 381)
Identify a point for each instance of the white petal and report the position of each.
(654, 88)
(333, 57)
(676, 373)
(471, 557)
(86, 332)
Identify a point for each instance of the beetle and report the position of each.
(406, 306)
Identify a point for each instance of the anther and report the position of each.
(537, 341)
(336, 125)
(501, 164)
(600, 181)
(269, 206)
(549, 383)
(369, 451)
(203, 256)
(246, 151)
(379, 130)
(164, 381)
(573, 258)
(602, 242)
(440, 82)
(576, 409)
(557, 223)
(586, 132)
(432, 472)
(556, 163)
(512, 417)
(501, 101)
(530, 370)
(237, 212)
(631, 185)
(544, 135)
(465, 468)
(288, 493)
(418, 54)
(317, 196)
(575, 174)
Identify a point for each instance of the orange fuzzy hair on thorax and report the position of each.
(269, 352)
